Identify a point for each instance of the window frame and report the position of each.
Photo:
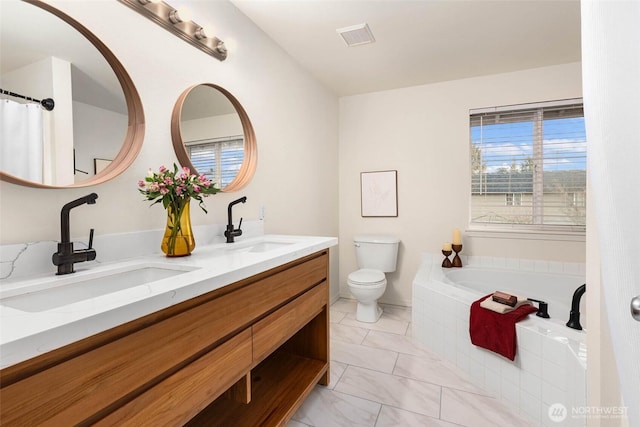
(572, 232)
(217, 145)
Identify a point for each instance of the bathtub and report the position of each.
(553, 288)
(550, 365)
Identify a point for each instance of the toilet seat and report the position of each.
(366, 277)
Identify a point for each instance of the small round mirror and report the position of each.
(212, 135)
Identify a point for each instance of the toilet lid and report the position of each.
(366, 276)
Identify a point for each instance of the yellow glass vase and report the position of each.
(178, 237)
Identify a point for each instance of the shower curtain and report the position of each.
(21, 139)
(611, 89)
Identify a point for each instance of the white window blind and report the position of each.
(218, 159)
(534, 158)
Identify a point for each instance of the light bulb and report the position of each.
(221, 48)
(180, 15)
(203, 32)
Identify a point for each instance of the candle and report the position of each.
(457, 236)
(446, 247)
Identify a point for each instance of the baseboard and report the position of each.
(401, 303)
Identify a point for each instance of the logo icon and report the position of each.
(557, 412)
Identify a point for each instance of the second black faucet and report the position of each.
(231, 231)
(574, 315)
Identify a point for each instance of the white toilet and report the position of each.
(376, 255)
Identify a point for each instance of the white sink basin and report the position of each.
(50, 294)
(261, 246)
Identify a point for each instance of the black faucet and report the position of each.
(66, 257)
(230, 233)
(574, 316)
(543, 308)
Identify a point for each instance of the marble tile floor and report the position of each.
(380, 377)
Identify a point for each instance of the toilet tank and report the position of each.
(378, 252)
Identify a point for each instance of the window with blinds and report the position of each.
(528, 165)
(219, 159)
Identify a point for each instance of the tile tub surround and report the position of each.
(550, 365)
(382, 377)
(28, 334)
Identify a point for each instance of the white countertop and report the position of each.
(29, 332)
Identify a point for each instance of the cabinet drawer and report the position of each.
(181, 396)
(273, 291)
(279, 326)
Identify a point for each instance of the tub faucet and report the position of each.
(543, 308)
(574, 316)
(232, 232)
(66, 256)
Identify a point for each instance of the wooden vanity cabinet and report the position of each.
(243, 355)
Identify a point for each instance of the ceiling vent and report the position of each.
(356, 35)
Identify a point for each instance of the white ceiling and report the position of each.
(419, 41)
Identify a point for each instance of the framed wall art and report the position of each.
(100, 164)
(379, 193)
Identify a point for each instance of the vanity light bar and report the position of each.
(169, 18)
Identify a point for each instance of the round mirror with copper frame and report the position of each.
(135, 128)
(194, 105)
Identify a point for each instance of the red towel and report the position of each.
(495, 331)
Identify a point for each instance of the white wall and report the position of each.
(294, 117)
(603, 388)
(423, 133)
(98, 133)
(221, 126)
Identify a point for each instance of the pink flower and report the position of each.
(184, 174)
(175, 184)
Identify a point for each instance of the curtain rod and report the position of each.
(46, 103)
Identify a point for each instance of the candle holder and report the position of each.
(457, 262)
(446, 262)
